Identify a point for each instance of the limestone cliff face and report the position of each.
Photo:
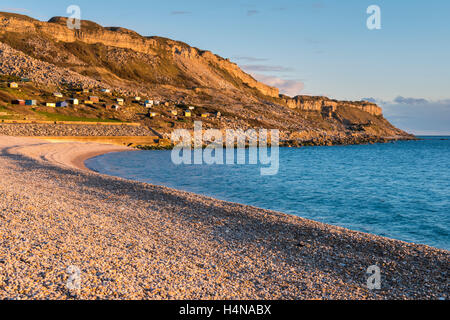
(51, 54)
(92, 33)
(203, 67)
(309, 103)
(366, 106)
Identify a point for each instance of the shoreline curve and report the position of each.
(134, 240)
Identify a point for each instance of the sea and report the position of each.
(399, 190)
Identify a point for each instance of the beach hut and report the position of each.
(94, 99)
(57, 94)
(111, 107)
(205, 115)
(30, 102)
(50, 104)
(61, 104)
(18, 102)
(191, 108)
(120, 101)
(13, 85)
(174, 112)
(188, 113)
(137, 99)
(74, 101)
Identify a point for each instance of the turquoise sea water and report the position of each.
(400, 190)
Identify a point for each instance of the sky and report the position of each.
(312, 47)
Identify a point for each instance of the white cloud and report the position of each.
(249, 59)
(288, 87)
(403, 100)
(265, 68)
(175, 13)
(16, 10)
(252, 12)
(419, 116)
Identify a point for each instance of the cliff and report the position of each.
(51, 54)
(213, 67)
(310, 103)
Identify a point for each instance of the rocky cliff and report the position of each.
(309, 103)
(50, 53)
(212, 66)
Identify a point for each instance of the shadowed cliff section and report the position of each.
(173, 71)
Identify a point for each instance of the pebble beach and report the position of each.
(132, 240)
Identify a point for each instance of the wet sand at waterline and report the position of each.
(133, 240)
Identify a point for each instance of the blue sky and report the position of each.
(318, 47)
